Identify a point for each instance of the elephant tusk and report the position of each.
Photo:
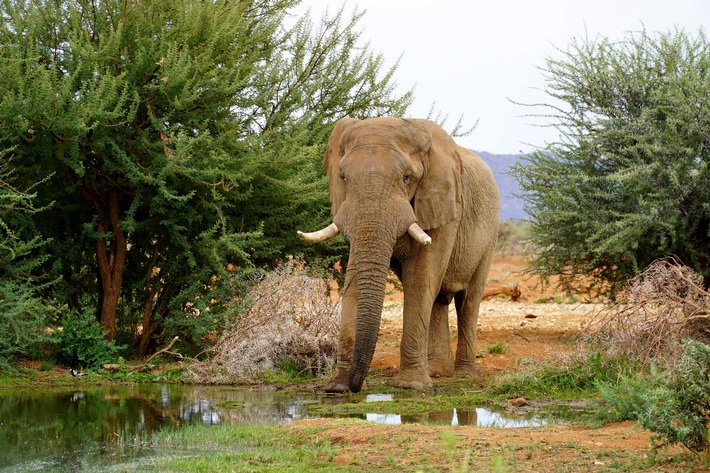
(321, 235)
(416, 232)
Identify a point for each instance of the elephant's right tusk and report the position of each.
(416, 232)
(321, 235)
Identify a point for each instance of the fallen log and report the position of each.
(495, 288)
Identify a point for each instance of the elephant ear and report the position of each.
(331, 163)
(437, 200)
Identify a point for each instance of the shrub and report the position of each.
(80, 342)
(678, 411)
(674, 404)
(626, 399)
(23, 320)
(290, 324)
(628, 180)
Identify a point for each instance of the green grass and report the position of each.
(237, 449)
(407, 406)
(576, 378)
(498, 348)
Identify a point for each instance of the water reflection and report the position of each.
(47, 428)
(82, 429)
(480, 417)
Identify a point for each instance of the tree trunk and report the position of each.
(148, 328)
(151, 288)
(111, 258)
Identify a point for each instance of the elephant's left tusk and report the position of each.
(321, 235)
(416, 232)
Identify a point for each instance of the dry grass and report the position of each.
(662, 306)
(290, 320)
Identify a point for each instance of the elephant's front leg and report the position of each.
(413, 364)
(346, 342)
(421, 280)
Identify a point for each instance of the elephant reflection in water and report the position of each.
(445, 417)
(407, 197)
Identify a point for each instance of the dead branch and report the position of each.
(141, 367)
(662, 306)
(165, 350)
(495, 288)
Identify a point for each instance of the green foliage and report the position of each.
(80, 342)
(626, 398)
(674, 404)
(24, 314)
(629, 180)
(183, 142)
(574, 377)
(678, 411)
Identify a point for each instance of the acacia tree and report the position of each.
(24, 315)
(168, 127)
(629, 179)
(323, 73)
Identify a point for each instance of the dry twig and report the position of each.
(662, 306)
(290, 319)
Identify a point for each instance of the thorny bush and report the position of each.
(662, 306)
(291, 319)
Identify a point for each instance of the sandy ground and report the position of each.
(531, 330)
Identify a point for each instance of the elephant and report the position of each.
(408, 198)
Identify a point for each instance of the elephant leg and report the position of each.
(467, 304)
(346, 342)
(422, 276)
(413, 366)
(441, 361)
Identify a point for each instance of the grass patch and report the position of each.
(574, 378)
(237, 449)
(413, 406)
(498, 348)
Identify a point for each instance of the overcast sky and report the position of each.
(471, 56)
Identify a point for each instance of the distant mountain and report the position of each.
(511, 207)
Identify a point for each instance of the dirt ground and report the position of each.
(531, 330)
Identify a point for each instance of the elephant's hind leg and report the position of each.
(440, 358)
(467, 305)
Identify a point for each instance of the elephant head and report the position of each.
(390, 179)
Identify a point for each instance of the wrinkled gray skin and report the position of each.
(386, 174)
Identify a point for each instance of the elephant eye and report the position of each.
(407, 177)
(342, 177)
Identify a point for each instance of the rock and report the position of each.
(518, 402)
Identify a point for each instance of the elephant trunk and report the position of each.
(372, 260)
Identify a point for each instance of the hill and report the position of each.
(511, 207)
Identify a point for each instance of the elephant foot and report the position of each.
(336, 387)
(412, 381)
(441, 370)
(339, 385)
(468, 368)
